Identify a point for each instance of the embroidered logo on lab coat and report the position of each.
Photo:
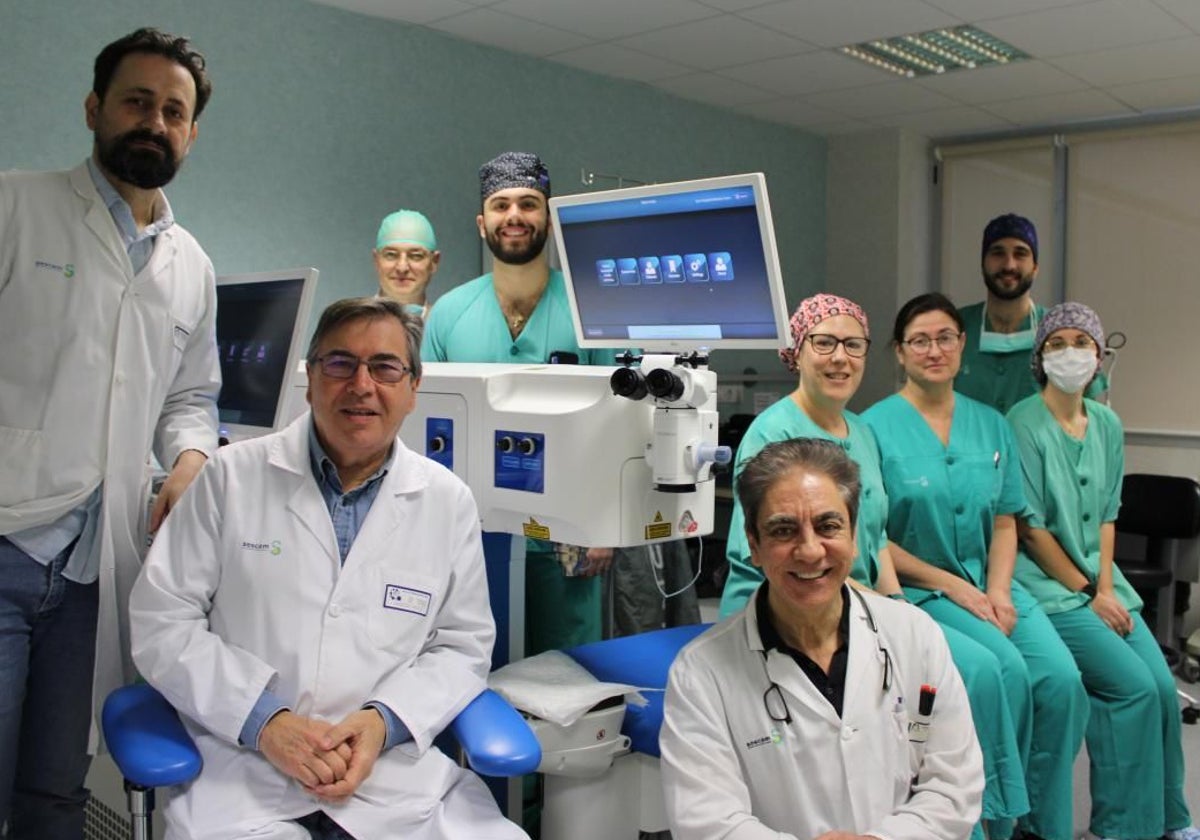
(406, 599)
(273, 547)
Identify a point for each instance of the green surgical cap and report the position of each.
(406, 227)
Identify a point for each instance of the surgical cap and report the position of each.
(406, 227)
(813, 311)
(1010, 225)
(1069, 315)
(513, 169)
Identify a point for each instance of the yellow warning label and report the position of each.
(658, 530)
(534, 530)
(658, 517)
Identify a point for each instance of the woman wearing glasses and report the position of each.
(830, 338)
(953, 480)
(1072, 457)
(817, 708)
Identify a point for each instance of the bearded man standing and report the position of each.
(107, 353)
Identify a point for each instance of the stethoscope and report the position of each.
(773, 690)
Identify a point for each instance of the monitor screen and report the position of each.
(261, 324)
(673, 267)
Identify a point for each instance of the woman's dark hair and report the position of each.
(928, 302)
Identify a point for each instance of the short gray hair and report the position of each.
(369, 308)
(773, 461)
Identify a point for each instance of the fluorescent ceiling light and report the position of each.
(936, 51)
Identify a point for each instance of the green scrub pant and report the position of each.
(1034, 660)
(1133, 735)
(1004, 795)
(560, 611)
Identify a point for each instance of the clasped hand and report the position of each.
(329, 760)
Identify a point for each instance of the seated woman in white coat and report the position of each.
(818, 711)
(316, 608)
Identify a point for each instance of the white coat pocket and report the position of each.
(403, 609)
(21, 453)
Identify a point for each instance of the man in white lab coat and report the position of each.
(317, 609)
(818, 711)
(107, 351)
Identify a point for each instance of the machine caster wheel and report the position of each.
(1191, 714)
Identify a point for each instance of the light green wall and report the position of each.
(323, 121)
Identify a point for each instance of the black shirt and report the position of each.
(832, 685)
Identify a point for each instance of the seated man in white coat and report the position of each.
(818, 711)
(316, 608)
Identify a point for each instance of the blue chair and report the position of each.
(152, 749)
(643, 660)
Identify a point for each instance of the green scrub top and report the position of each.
(1001, 380)
(782, 421)
(1073, 487)
(466, 325)
(942, 500)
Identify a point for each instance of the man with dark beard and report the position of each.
(519, 313)
(107, 353)
(1000, 330)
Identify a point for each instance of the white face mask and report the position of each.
(1071, 369)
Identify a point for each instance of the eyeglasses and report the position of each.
(1056, 344)
(922, 344)
(416, 256)
(824, 344)
(386, 370)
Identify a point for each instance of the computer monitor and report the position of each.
(262, 320)
(673, 267)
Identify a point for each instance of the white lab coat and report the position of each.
(730, 771)
(97, 367)
(243, 589)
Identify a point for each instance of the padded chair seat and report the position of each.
(643, 660)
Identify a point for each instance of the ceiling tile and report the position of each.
(1187, 11)
(1005, 81)
(1059, 109)
(948, 122)
(1141, 63)
(835, 23)
(612, 60)
(1161, 94)
(879, 100)
(716, 42)
(736, 5)
(408, 11)
(509, 33)
(713, 89)
(976, 11)
(807, 73)
(838, 127)
(1099, 25)
(789, 111)
(604, 20)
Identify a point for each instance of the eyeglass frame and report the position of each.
(1081, 342)
(940, 340)
(387, 360)
(836, 341)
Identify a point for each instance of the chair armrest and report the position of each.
(496, 739)
(146, 738)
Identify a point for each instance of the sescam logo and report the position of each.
(67, 270)
(773, 738)
(272, 547)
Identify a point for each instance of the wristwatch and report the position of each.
(1089, 590)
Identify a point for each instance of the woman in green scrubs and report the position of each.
(953, 480)
(830, 338)
(1072, 457)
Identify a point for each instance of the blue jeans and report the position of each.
(47, 653)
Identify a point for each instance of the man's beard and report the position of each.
(517, 255)
(140, 167)
(999, 291)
